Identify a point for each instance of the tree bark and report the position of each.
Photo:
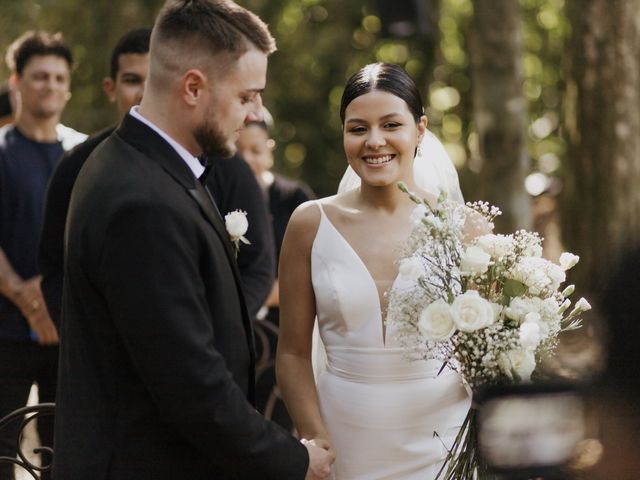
(500, 109)
(601, 194)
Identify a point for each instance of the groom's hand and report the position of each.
(320, 461)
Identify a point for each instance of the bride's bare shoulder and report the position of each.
(306, 215)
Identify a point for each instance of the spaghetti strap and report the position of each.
(319, 204)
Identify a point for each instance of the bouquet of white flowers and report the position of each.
(489, 308)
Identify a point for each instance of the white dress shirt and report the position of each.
(192, 162)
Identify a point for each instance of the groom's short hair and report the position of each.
(189, 33)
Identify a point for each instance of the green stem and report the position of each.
(463, 460)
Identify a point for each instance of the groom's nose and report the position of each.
(255, 112)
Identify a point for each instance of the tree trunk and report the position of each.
(601, 194)
(500, 109)
(427, 18)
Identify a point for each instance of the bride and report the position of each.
(382, 416)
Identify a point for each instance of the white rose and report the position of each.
(537, 274)
(532, 317)
(533, 251)
(556, 275)
(411, 269)
(435, 321)
(471, 312)
(568, 260)
(236, 223)
(519, 307)
(520, 362)
(549, 309)
(418, 214)
(496, 245)
(530, 334)
(474, 261)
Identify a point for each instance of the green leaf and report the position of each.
(513, 288)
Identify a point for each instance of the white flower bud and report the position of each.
(564, 306)
(569, 290)
(522, 363)
(568, 260)
(530, 334)
(581, 306)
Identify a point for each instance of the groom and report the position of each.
(156, 351)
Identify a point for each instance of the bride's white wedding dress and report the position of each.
(387, 417)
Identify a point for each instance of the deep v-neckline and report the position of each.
(372, 282)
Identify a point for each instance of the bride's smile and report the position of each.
(380, 138)
(378, 160)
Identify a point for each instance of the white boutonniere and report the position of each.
(237, 225)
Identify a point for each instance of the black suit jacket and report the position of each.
(233, 186)
(156, 351)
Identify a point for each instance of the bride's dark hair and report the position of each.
(387, 78)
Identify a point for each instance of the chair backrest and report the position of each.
(24, 416)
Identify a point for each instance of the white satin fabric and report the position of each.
(380, 409)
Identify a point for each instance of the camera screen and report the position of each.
(529, 431)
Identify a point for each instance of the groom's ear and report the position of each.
(193, 86)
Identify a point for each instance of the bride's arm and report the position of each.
(297, 315)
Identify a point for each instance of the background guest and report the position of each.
(30, 147)
(124, 87)
(283, 195)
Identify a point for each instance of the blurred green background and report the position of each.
(320, 44)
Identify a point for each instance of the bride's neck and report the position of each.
(389, 198)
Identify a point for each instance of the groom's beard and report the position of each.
(212, 141)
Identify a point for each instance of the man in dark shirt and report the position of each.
(29, 150)
(124, 87)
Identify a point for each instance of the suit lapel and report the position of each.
(210, 211)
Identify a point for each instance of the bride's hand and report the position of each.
(325, 445)
(320, 461)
